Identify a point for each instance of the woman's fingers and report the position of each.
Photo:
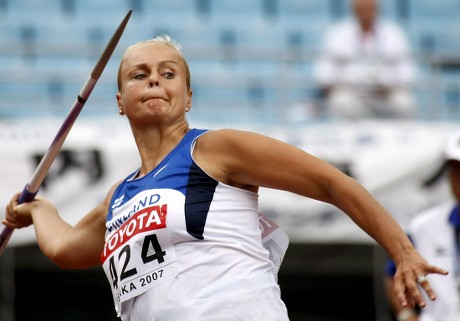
(409, 287)
(17, 215)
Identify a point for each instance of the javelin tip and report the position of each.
(97, 71)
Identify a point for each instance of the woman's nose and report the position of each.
(153, 81)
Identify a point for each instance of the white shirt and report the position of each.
(433, 236)
(348, 58)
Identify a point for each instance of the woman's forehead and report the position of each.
(152, 50)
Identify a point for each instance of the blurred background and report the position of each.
(252, 65)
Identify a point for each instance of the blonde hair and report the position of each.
(167, 41)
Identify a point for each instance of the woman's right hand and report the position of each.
(20, 215)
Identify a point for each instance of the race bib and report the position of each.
(139, 255)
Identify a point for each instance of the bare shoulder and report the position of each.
(222, 153)
(222, 135)
(246, 159)
(231, 140)
(237, 146)
(250, 160)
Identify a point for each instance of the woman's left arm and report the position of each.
(250, 160)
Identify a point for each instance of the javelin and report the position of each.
(31, 189)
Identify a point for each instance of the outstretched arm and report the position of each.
(249, 160)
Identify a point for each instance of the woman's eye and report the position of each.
(168, 75)
(139, 76)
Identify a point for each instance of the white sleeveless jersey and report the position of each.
(181, 246)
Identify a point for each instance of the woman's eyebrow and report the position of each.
(139, 65)
(143, 65)
(167, 62)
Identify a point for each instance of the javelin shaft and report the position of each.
(47, 160)
(31, 189)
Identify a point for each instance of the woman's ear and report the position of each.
(188, 104)
(121, 109)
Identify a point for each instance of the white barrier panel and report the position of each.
(391, 159)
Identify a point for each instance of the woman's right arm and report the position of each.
(71, 247)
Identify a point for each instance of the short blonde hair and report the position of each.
(165, 40)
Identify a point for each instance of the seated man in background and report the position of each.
(365, 68)
(436, 235)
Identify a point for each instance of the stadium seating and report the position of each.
(253, 57)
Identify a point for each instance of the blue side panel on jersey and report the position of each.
(199, 195)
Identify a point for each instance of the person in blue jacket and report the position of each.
(435, 232)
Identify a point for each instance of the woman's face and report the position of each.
(153, 84)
